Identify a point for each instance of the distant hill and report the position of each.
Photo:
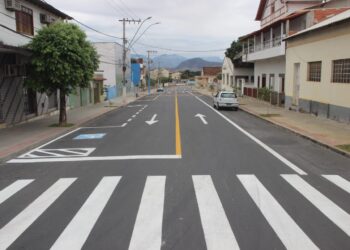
(196, 64)
(168, 61)
(213, 59)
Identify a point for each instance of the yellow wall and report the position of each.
(323, 45)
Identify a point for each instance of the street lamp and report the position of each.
(143, 33)
(137, 31)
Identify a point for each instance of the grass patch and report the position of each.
(56, 125)
(269, 115)
(344, 147)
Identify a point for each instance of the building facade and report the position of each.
(19, 23)
(111, 64)
(236, 75)
(318, 69)
(266, 47)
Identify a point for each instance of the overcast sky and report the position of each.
(185, 24)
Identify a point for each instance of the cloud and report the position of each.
(185, 24)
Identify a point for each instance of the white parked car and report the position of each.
(225, 99)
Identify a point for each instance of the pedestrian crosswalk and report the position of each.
(219, 229)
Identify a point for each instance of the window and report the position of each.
(273, 8)
(24, 21)
(341, 71)
(228, 95)
(314, 71)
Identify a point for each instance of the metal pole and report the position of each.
(149, 74)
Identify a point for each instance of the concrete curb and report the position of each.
(337, 150)
(47, 139)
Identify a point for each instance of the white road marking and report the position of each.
(285, 227)
(98, 158)
(321, 202)
(102, 127)
(124, 125)
(147, 233)
(52, 141)
(10, 232)
(202, 117)
(217, 230)
(133, 116)
(153, 120)
(133, 106)
(78, 230)
(10, 190)
(339, 181)
(59, 152)
(256, 140)
(130, 120)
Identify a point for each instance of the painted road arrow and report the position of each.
(153, 120)
(202, 117)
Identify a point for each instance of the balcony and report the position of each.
(267, 49)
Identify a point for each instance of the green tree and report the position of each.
(62, 59)
(234, 50)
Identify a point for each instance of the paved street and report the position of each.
(169, 171)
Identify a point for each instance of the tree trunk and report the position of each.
(63, 112)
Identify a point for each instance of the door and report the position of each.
(296, 84)
(263, 81)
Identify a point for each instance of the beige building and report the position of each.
(161, 73)
(318, 69)
(176, 75)
(209, 76)
(236, 75)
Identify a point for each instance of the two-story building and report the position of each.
(111, 64)
(318, 69)
(236, 74)
(19, 22)
(266, 47)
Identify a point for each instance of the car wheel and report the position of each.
(217, 105)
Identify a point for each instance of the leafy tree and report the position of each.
(187, 74)
(62, 59)
(234, 50)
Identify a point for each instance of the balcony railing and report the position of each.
(277, 41)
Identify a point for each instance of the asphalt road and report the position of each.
(226, 180)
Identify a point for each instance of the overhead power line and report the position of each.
(97, 31)
(179, 50)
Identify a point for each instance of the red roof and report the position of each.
(211, 71)
(260, 10)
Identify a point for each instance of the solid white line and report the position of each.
(256, 140)
(291, 235)
(52, 141)
(217, 230)
(339, 181)
(78, 230)
(98, 158)
(10, 232)
(102, 127)
(147, 233)
(12, 189)
(321, 202)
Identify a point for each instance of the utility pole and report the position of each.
(124, 21)
(149, 52)
(158, 74)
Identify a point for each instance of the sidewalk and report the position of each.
(33, 133)
(323, 131)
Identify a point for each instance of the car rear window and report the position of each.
(228, 95)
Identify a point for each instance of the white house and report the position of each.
(266, 48)
(19, 22)
(111, 64)
(236, 75)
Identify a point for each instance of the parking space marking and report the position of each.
(58, 153)
(89, 136)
